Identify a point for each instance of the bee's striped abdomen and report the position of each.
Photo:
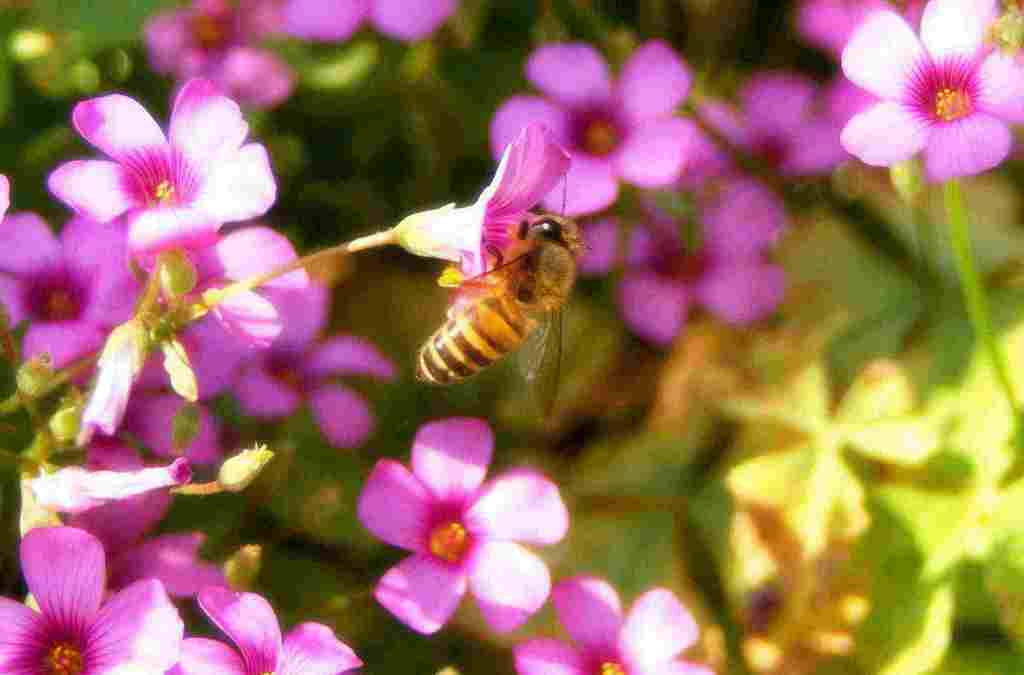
(475, 338)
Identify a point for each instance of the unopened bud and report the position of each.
(238, 472)
(907, 179)
(184, 426)
(35, 376)
(65, 423)
(178, 275)
(432, 233)
(1008, 30)
(242, 568)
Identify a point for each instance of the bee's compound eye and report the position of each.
(548, 228)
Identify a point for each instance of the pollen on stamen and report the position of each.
(611, 668)
(952, 104)
(449, 541)
(164, 192)
(600, 137)
(64, 659)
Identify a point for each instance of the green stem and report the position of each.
(974, 291)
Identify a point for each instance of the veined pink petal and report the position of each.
(1002, 86)
(530, 168)
(882, 54)
(653, 82)
(66, 572)
(92, 248)
(160, 229)
(410, 19)
(201, 656)
(885, 134)
(521, 505)
(5, 195)
(313, 649)
(422, 592)
(741, 291)
(828, 24)
(590, 186)
(240, 187)
(151, 418)
(518, 113)
(74, 489)
(450, 456)
(250, 622)
(116, 125)
(303, 312)
(590, 611)
(954, 28)
(206, 125)
(342, 415)
(348, 355)
(574, 74)
(250, 317)
(172, 559)
(777, 102)
(656, 630)
(967, 147)
(601, 251)
(395, 506)
(548, 657)
(327, 20)
(509, 583)
(138, 627)
(64, 341)
(263, 395)
(92, 187)
(29, 245)
(249, 252)
(24, 629)
(653, 307)
(655, 154)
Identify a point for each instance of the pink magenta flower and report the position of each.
(613, 130)
(297, 369)
(783, 122)
(250, 622)
(475, 236)
(462, 532)
(137, 630)
(647, 640)
(72, 290)
(74, 489)
(176, 190)
(218, 40)
(337, 20)
(945, 94)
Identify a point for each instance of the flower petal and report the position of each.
(172, 559)
(601, 247)
(327, 20)
(74, 489)
(92, 187)
(206, 125)
(422, 592)
(66, 572)
(828, 24)
(167, 35)
(395, 506)
(250, 622)
(656, 629)
(201, 656)
(151, 418)
(116, 125)
(777, 103)
(742, 220)
(263, 395)
(249, 252)
(882, 54)
(303, 312)
(249, 317)
(518, 113)
(214, 353)
(967, 147)
(574, 74)
(728, 122)
(548, 657)
(255, 77)
(530, 168)
(64, 341)
(241, 187)
(954, 28)
(313, 649)
(342, 415)
(450, 456)
(154, 230)
(655, 154)
(29, 245)
(653, 82)
(348, 355)
(815, 149)
(138, 627)
(12, 299)
(653, 307)
(410, 19)
(742, 291)
(118, 369)
(509, 583)
(1002, 86)
(590, 611)
(24, 630)
(590, 186)
(521, 505)
(884, 134)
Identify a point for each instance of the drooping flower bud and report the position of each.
(242, 568)
(35, 376)
(75, 489)
(238, 472)
(178, 275)
(65, 423)
(119, 366)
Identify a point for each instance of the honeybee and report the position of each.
(518, 300)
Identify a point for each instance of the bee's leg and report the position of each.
(496, 253)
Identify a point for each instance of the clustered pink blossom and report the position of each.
(337, 20)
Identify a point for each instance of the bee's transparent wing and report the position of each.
(541, 359)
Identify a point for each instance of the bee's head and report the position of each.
(553, 229)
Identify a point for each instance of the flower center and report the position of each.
(63, 659)
(952, 104)
(60, 306)
(163, 193)
(611, 668)
(209, 31)
(600, 137)
(449, 541)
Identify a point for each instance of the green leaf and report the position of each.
(99, 23)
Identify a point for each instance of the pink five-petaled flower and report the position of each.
(646, 641)
(531, 165)
(137, 630)
(945, 93)
(250, 622)
(462, 532)
(176, 190)
(623, 130)
(218, 39)
(71, 289)
(337, 20)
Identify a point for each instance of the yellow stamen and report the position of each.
(600, 138)
(449, 541)
(610, 668)
(952, 104)
(451, 277)
(59, 306)
(164, 192)
(64, 659)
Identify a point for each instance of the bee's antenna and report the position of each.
(565, 191)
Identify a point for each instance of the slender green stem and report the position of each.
(974, 291)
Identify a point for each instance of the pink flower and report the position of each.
(647, 640)
(176, 191)
(828, 24)
(783, 122)
(74, 489)
(250, 622)
(475, 236)
(462, 532)
(218, 39)
(337, 20)
(137, 630)
(945, 94)
(72, 290)
(624, 130)
(150, 417)
(297, 369)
